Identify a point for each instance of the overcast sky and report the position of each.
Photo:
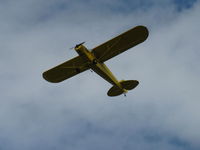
(161, 113)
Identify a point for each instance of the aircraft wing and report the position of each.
(120, 43)
(66, 70)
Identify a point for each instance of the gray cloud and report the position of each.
(162, 113)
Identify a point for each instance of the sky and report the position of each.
(161, 113)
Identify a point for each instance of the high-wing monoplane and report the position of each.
(94, 59)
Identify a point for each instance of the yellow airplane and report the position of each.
(95, 59)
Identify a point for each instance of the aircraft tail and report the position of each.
(126, 85)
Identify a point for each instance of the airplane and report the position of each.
(94, 60)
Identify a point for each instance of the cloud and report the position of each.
(162, 113)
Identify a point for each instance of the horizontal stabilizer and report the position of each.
(129, 84)
(115, 91)
(126, 85)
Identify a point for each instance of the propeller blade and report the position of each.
(79, 44)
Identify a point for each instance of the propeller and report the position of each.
(77, 45)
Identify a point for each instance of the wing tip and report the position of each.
(44, 75)
(145, 31)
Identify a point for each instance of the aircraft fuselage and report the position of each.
(100, 68)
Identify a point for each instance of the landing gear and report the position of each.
(125, 91)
